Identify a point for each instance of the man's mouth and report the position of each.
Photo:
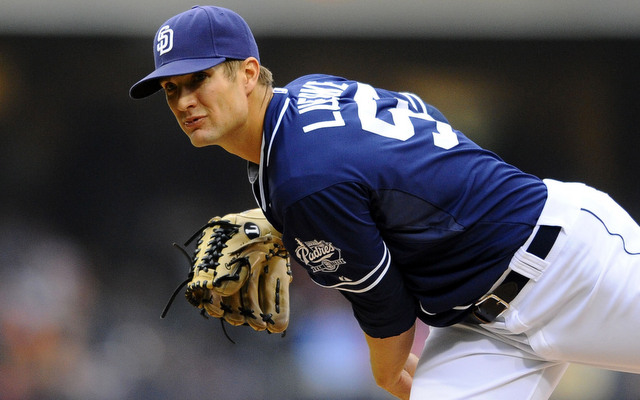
(194, 121)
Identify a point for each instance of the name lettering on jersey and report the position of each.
(319, 255)
(322, 97)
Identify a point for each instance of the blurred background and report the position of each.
(95, 187)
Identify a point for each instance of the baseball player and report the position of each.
(379, 197)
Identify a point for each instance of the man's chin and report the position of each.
(197, 140)
(197, 144)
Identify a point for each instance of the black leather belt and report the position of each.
(492, 305)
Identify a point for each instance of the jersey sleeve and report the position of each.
(333, 235)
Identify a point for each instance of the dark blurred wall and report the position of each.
(77, 151)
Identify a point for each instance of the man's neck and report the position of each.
(250, 148)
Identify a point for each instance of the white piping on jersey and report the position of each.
(425, 311)
(494, 287)
(386, 256)
(459, 308)
(275, 130)
(263, 200)
(455, 308)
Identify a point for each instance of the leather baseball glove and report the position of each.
(240, 272)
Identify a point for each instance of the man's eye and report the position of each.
(169, 87)
(199, 76)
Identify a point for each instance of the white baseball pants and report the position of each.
(582, 305)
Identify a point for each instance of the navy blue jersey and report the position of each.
(377, 196)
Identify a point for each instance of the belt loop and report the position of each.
(543, 241)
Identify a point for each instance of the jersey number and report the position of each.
(402, 127)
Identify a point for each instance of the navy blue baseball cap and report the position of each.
(195, 40)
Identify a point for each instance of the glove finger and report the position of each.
(232, 306)
(201, 281)
(196, 296)
(213, 305)
(251, 296)
(234, 267)
(274, 294)
(231, 274)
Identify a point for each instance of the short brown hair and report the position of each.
(231, 68)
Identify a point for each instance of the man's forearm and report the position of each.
(392, 363)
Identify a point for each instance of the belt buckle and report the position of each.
(498, 303)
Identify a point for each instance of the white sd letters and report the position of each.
(165, 40)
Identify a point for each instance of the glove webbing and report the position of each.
(226, 230)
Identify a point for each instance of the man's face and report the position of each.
(208, 105)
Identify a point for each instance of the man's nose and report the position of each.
(186, 99)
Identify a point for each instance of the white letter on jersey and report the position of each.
(402, 127)
(316, 96)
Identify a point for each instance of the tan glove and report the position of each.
(241, 272)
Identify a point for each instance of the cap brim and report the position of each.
(151, 83)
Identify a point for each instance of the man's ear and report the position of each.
(250, 70)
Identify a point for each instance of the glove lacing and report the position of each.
(217, 243)
(225, 231)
